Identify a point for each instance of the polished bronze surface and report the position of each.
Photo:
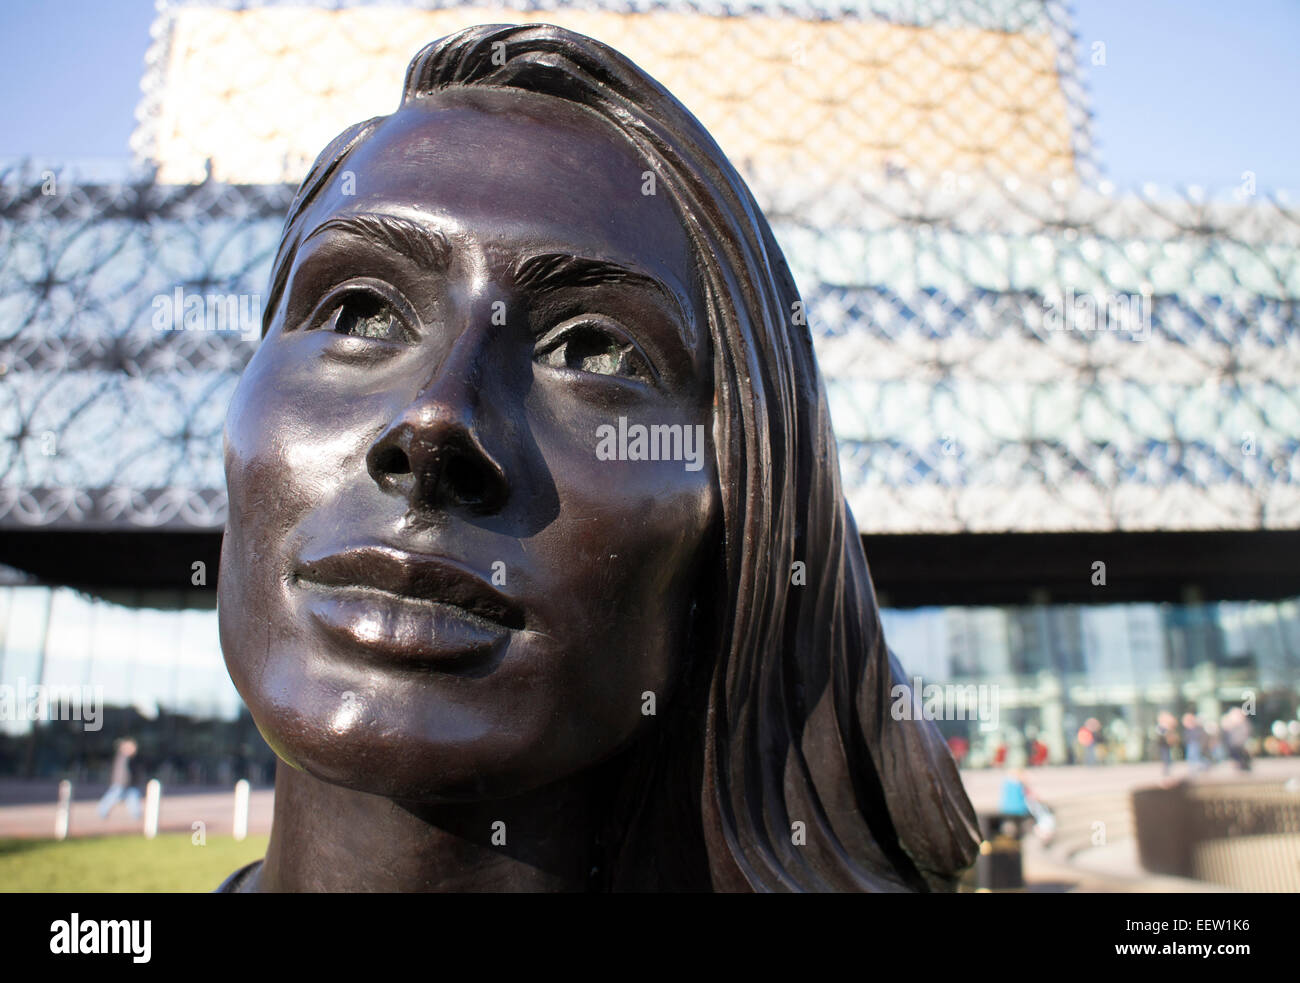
(537, 573)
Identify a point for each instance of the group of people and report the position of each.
(1203, 743)
(1200, 741)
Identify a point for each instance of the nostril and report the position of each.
(466, 479)
(440, 466)
(392, 460)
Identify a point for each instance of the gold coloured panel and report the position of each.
(258, 92)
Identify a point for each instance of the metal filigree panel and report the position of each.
(815, 87)
(966, 393)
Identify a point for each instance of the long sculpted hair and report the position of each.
(777, 765)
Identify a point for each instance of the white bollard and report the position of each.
(241, 809)
(152, 803)
(63, 811)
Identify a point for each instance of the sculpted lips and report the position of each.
(413, 575)
(411, 608)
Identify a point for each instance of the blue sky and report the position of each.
(1194, 91)
(1191, 92)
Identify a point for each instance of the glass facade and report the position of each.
(1043, 671)
(79, 671)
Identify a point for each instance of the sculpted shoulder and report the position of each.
(242, 881)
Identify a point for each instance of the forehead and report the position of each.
(505, 168)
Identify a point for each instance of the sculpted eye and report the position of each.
(361, 311)
(592, 344)
(367, 316)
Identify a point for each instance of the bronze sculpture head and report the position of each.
(538, 573)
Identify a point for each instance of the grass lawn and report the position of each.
(123, 863)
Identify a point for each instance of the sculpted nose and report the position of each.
(432, 455)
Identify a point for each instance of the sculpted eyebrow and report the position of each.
(556, 271)
(422, 245)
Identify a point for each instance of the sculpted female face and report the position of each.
(432, 586)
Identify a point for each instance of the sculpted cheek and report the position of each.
(246, 416)
(288, 443)
(316, 458)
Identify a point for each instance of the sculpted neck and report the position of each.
(329, 838)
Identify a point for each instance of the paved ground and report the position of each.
(27, 809)
(1055, 783)
(1113, 868)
